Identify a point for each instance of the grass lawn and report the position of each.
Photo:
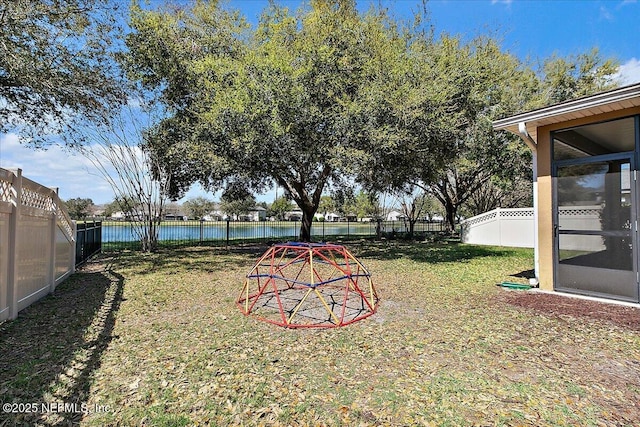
(157, 340)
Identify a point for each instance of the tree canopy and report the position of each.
(279, 208)
(303, 101)
(488, 167)
(57, 65)
(326, 97)
(476, 82)
(567, 78)
(78, 207)
(199, 207)
(237, 200)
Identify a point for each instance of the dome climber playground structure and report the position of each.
(308, 285)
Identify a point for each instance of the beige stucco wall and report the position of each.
(545, 210)
(545, 189)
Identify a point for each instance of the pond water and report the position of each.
(211, 231)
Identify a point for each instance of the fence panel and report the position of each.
(500, 227)
(515, 227)
(88, 240)
(6, 209)
(33, 257)
(36, 242)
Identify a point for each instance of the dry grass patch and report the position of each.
(158, 340)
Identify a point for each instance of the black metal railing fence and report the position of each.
(88, 240)
(118, 235)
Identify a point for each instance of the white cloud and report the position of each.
(605, 14)
(73, 175)
(8, 142)
(629, 72)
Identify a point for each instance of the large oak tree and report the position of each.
(489, 164)
(304, 101)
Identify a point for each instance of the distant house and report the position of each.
(128, 216)
(118, 216)
(258, 214)
(176, 217)
(395, 215)
(174, 212)
(215, 215)
(332, 217)
(294, 215)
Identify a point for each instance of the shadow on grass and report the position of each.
(193, 258)
(49, 353)
(426, 252)
(525, 274)
(215, 259)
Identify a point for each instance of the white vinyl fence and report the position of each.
(515, 227)
(500, 227)
(37, 242)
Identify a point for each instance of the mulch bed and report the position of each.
(559, 305)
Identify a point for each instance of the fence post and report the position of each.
(99, 235)
(499, 219)
(12, 285)
(82, 241)
(73, 249)
(52, 240)
(201, 228)
(227, 233)
(93, 237)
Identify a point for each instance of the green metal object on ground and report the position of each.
(512, 285)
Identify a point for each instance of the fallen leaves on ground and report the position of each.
(446, 347)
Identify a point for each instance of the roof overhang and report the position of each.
(604, 102)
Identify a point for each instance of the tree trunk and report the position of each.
(440, 191)
(307, 203)
(305, 226)
(451, 211)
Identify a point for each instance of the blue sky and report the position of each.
(529, 29)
